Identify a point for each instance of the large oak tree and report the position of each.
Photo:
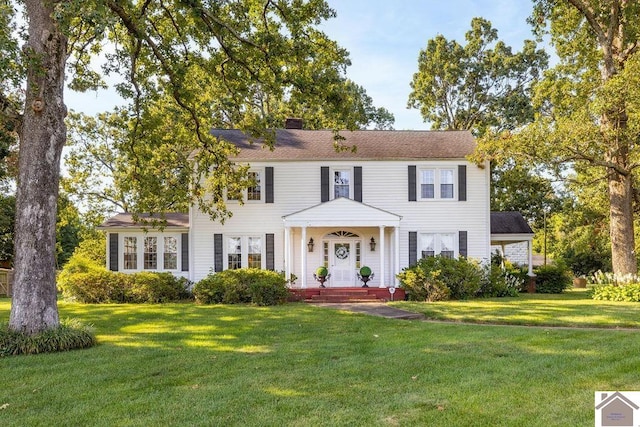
(587, 106)
(240, 51)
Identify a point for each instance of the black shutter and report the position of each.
(413, 248)
(324, 184)
(357, 183)
(113, 251)
(185, 251)
(462, 183)
(270, 253)
(268, 184)
(462, 243)
(412, 183)
(217, 253)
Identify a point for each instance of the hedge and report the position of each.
(255, 286)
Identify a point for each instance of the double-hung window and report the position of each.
(170, 253)
(254, 249)
(432, 244)
(130, 253)
(254, 192)
(234, 253)
(150, 253)
(244, 252)
(437, 183)
(427, 184)
(341, 183)
(446, 183)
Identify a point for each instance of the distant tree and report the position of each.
(7, 225)
(484, 87)
(481, 86)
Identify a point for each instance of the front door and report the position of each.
(342, 264)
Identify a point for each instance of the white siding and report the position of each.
(384, 186)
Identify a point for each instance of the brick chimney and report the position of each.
(292, 123)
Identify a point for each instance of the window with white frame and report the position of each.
(130, 253)
(341, 183)
(437, 183)
(244, 252)
(254, 249)
(427, 184)
(170, 255)
(234, 253)
(254, 192)
(251, 193)
(446, 183)
(432, 244)
(150, 256)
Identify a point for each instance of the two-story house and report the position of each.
(400, 196)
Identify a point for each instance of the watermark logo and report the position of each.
(617, 408)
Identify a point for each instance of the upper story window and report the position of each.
(254, 192)
(251, 193)
(341, 183)
(437, 184)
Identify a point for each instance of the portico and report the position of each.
(342, 235)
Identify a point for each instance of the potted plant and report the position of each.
(365, 275)
(321, 275)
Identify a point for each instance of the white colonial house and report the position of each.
(400, 196)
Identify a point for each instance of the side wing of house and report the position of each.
(132, 247)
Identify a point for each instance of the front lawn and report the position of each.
(298, 365)
(573, 308)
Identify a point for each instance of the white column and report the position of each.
(530, 247)
(287, 252)
(382, 251)
(396, 234)
(303, 256)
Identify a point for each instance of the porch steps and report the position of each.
(344, 295)
(341, 295)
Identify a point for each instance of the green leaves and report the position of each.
(480, 86)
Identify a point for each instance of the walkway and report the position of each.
(374, 309)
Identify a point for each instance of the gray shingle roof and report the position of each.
(294, 144)
(509, 223)
(125, 220)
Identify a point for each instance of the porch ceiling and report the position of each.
(342, 212)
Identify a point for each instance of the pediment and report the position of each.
(344, 212)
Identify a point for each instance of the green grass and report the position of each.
(573, 309)
(298, 365)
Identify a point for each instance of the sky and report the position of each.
(384, 39)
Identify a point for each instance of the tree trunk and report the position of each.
(623, 257)
(42, 137)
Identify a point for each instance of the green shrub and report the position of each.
(423, 286)
(95, 286)
(552, 279)
(322, 271)
(462, 276)
(70, 335)
(151, 287)
(627, 292)
(261, 287)
(499, 283)
(85, 281)
(365, 271)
